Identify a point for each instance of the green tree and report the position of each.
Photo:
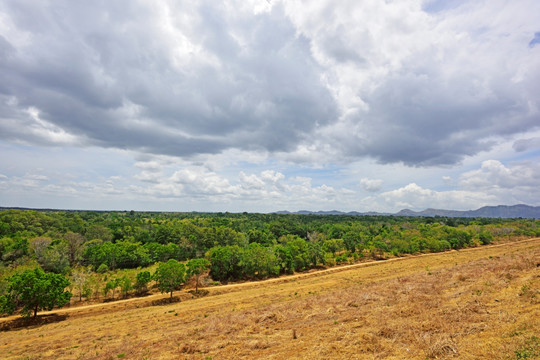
(97, 253)
(98, 232)
(13, 249)
(353, 240)
(294, 254)
(195, 267)
(5, 245)
(315, 253)
(457, 238)
(258, 236)
(169, 276)
(141, 282)
(259, 261)
(111, 285)
(225, 262)
(131, 255)
(333, 246)
(34, 290)
(54, 258)
(125, 285)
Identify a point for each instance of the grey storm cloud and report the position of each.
(416, 120)
(444, 94)
(170, 79)
(182, 79)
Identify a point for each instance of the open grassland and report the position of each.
(481, 303)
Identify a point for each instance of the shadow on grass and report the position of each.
(124, 297)
(166, 301)
(199, 293)
(32, 322)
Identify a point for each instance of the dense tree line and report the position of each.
(238, 246)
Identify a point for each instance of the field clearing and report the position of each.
(480, 303)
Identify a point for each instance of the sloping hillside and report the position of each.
(475, 303)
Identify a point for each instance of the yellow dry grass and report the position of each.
(481, 303)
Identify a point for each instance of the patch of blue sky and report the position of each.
(535, 40)
(84, 164)
(527, 155)
(435, 6)
(328, 175)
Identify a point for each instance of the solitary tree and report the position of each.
(169, 276)
(195, 267)
(34, 290)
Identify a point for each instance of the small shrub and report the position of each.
(329, 259)
(485, 238)
(341, 259)
(103, 268)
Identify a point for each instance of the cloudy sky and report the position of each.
(266, 105)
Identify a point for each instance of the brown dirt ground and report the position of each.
(481, 303)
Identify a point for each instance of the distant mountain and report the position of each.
(332, 212)
(500, 211)
(523, 211)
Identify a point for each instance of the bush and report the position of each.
(341, 259)
(485, 238)
(103, 268)
(329, 259)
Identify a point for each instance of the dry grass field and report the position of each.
(481, 303)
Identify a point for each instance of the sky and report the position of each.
(268, 105)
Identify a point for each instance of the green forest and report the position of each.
(80, 245)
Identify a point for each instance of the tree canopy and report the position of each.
(238, 245)
(34, 290)
(169, 276)
(195, 267)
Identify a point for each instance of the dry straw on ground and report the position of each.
(474, 304)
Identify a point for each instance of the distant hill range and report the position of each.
(500, 211)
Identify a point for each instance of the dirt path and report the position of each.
(144, 301)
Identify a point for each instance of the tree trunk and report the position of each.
(35, 311)
(170, 299)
